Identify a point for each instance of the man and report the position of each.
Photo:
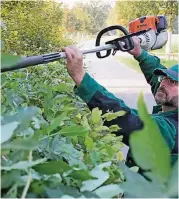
(164, 86)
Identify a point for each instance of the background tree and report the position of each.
(144, 8)
(32, 27)
(87, 18)
(112, 17)
(175, 25)
(170, 9)
(98, 13)
(76, 19)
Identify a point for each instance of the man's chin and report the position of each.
(163, 103)
(159, 100)
(160, 103)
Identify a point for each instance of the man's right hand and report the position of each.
(74, 64)
(137, 48)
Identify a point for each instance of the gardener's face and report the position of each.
(167, 93)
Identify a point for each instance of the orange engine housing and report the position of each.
(143, 23)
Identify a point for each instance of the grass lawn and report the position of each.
(132, 63)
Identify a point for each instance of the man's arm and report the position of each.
(96, 95)
(147, 63)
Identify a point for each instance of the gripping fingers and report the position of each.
(69, 53)
(78, 54)
(136, 40)
(74, 64)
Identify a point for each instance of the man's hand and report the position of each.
(74, 64)
(137, 48)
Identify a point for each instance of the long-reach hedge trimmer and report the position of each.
(151, 31)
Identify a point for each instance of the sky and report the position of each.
(71, 3)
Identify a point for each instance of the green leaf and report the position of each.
(111, 116)
(149, 149)
(114, 128)
(90, 185)
(52, 167)
(8, 178)
(54, 180)
(7, 131)
(53, 193)
(89, 143)
(104, 165)
(108, 191)
(109, 138)
(57, 121)
(95, 157)
(67, 151)
(110, 151)
(77, 163)
(29, 144)
(74, 130)
(136, 186)
(85, 124)
(9, 60)
(62, 190)
(62, 87)
(15, 33)
(48, 103)
(172, 189)
(101, 128)
(23, 116)
(23, 165)
(96, 115)
(101, 176)
(82, 175)
(37, 187)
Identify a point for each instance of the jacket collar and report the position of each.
(158, 108)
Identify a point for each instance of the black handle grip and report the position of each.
(34, 60)
(129, 44)
(98, 39)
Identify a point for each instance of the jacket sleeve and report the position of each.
(96, 95)
(148, 64)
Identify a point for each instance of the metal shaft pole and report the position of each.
(93, 50)
(46, 58)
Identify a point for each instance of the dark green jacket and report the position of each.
(96, 95)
